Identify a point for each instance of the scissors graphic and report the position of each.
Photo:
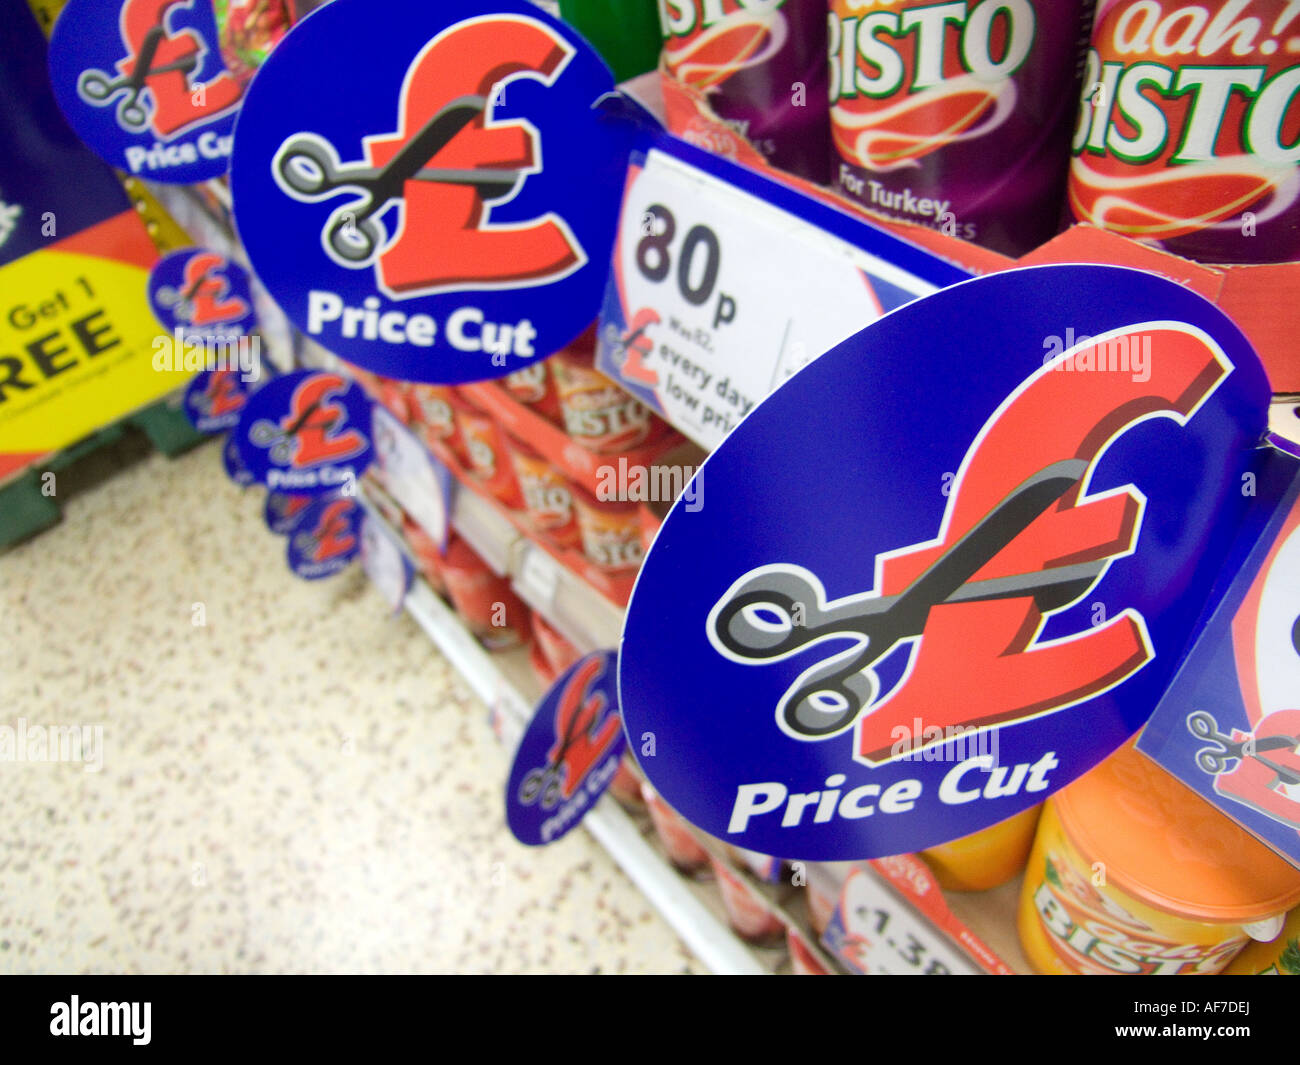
(759, 621)
(182, 300)
(307, 167)
(268, 434)
(1214, 760)
(98, 88)
(579, 716)
(545, 782)
(629, 349)
(330, 531)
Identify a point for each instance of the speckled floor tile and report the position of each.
(300, 784)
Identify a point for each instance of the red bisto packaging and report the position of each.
(957, 116)
(747, 914)
(487, 450)
(761, 65)
(392, 395)
(557, 651)
(433, 415)
(650, 521)
(683, 851)
(427, 555)
(547, 497)
(610, 532)
(822, 895)
(489, 606)
(597, 413)
(1188, 130)
(532, 386)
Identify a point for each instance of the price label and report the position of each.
(417, 481)
(875, 933)
(384, 563)
(720, 296)
(539, 576)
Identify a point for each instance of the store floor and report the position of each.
(300, 784)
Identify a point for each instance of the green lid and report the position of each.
(625, 32)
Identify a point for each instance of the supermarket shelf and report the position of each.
(488, 531)
(573, 608)
(700, 928)
(506, 684)
(577, 611)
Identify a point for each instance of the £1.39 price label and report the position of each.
(718, 296)
(873, 932)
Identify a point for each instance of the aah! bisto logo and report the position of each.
(709, 42)
(1187, 126)
(143, 83)
(432, 217)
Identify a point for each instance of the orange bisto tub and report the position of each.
(1133, 872)
(984, 859)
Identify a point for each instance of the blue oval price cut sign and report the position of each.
(326, 537)
(200, 294)
(569, 753)
(445, 210)
(232, 463)
(214, 400)
(983, 533)
(143, 83)
(307, 433)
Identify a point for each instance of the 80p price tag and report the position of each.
(718, 296)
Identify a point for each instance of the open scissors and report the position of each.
(577, 713)
(268, 434)
(627, 350)
(760, 621)
(98, 88)
(308, 542)
(1214, 760)
(181, 301)
(547, 781)
(308, 166)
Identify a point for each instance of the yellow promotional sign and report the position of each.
(77, 340)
